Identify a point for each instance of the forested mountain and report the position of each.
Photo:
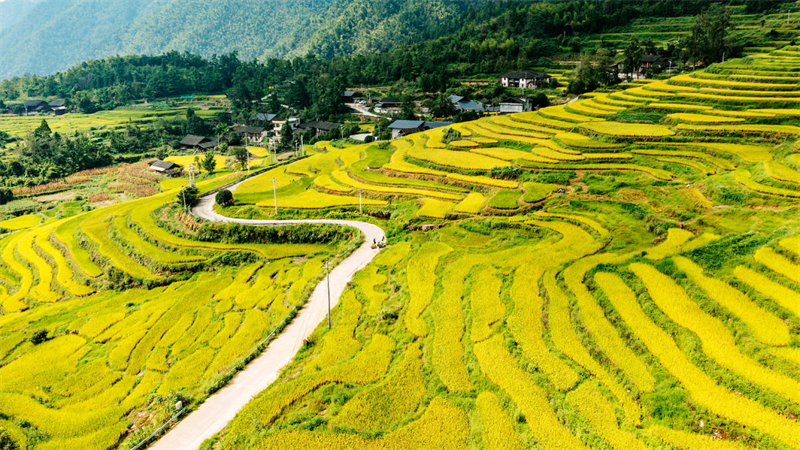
(42, 37)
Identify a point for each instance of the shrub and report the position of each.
(188, 196)
(38, 336)
(224, 197)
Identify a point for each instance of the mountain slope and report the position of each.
(57, 35)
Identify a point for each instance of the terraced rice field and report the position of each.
(569, 279)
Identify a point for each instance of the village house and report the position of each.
(402, 128)
(388, 105)
(350, 96)
(57, 107)
(525, 79)
(516, 105)
(201, 143)
(318, 127)
(167, 168)
(35, 107)
(254, 134)
(277, 124)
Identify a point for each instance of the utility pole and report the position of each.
(359, 202)
(275, 194)
(302, 148)
(183, 193)
(328, 276)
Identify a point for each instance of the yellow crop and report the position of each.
(42, 291)
(590, 402)
(581, 107)
(148, 249)
(66, 234)
(791, 243)
(14, 302)
(435, 208)
(232, 322)
(462, 160)
(718, 342)
(339, 343)
(472, 203)
(508, 154)
(497, 428)
(421, 276)
(703, 389)
(630, 130)
(367, 280)
(702, 168)
(603, 333)
(98, 324)
(97, 230)
(508, 122)
(44, 365)
(778, 263)
(678, 106)
(537, 119)
(766, 327)
(780, 172)
(704, 118)
(464, 144)
(789, 130)
(18, 223)
(487, 308)
(387, 403)
(719, 162)
(479, 179)
(688, 78)
(500, 133)
(690, 441)
(443, 426)
(448, 321)
(501, 369)
(743, 177)
(581, 141)
(560, 113)
(345, 178)
(527, 328)
(594, 225)
(369, 365)
(64, 273)
(569, 343)
(676, 237)
(393, 255)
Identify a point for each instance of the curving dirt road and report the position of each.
(222, 406)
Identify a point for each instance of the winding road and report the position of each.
(222, 406)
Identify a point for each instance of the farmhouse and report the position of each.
(57, 107)
(388, 104)
(33, 107)
(318, 127)
(350, 96)
(462, 104)
(165, 167)
(198, 142)
(253, 133)
(402, 128)
(516, 105)
(263, 117)
(525, 79)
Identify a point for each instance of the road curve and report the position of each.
(222, 406)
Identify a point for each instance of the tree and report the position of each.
(188, 196)
(240, 155)
(632, 57)
(287, 136)
(224, 197)
(43, 130)
(708, 43)
(7, 442)
(407, 110)
(38, 336)
(209, 163)
(6, 195)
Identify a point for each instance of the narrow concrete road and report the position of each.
(221, 407)
(361, 109)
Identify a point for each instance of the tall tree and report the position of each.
(708, 43)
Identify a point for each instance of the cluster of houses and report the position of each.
(55, 107)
